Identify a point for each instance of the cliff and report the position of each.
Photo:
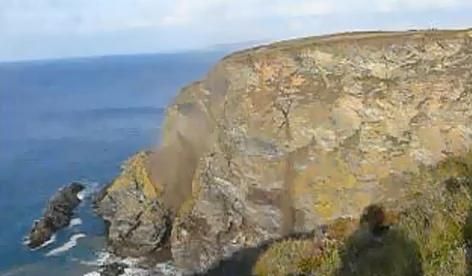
(283, 138)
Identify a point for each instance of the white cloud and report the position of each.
(76, 26)
(55, 16)
(192, 11)
(91, 16)
(396, 5)
(188, 11)
(303, 8)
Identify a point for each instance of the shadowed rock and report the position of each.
(58, 214)
(378, 249)
(113, 269)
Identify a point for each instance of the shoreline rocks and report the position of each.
(113, 269)
(57, 215)
(138, 223)
(110, 264)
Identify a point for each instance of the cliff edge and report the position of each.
(283, 138)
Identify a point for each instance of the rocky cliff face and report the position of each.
(138, 222)
(282, 138)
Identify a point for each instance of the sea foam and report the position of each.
(90, 189)
(75, 222)
(46, 243)
(66, 246)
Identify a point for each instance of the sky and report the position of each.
(43, 29)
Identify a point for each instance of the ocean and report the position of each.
(76, 120)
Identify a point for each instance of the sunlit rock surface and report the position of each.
(282, 138)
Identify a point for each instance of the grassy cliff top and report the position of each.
(352, 39)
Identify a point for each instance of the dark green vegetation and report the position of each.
(427, 234)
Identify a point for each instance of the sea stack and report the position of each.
(58, 214)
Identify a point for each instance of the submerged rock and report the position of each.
(58, 214)
(113, 269)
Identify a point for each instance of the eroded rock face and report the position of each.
(138, 222)
(58, 214)
(282, 138)
(304, 132)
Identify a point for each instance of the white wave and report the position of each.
(133, 269)
(90, 189)
(66, 246)
(102, 258)
(75, 222)
(137, 272)
(93, 273)
(160, 269)
(81, 195)
(46, 243)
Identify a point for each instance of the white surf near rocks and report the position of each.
(90, 189)
(75, 222)
(45, 244)
(66, 246)
(105, 258)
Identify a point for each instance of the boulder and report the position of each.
(113, 269)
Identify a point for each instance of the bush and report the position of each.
(427, 234)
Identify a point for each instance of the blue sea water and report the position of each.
(76, 120)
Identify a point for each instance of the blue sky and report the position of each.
(39, 29)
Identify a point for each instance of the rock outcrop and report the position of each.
(138, 223)
(113, 269)
(58, 214)
(282, 138)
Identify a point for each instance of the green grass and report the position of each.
(428, 234)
